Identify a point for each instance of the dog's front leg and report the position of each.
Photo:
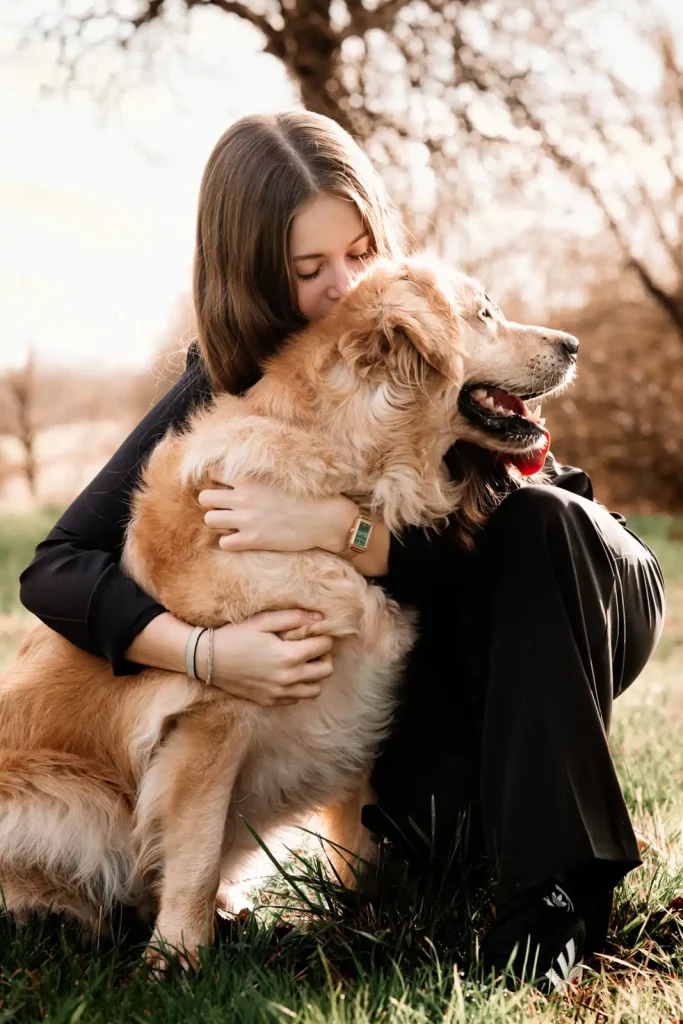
(197, 768)
(348, 846)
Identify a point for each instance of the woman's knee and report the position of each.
(542, 517)
(567, 522)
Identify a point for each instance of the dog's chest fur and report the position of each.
(307, 753)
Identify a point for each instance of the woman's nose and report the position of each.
(341, 282)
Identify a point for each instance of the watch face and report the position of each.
(362, 534)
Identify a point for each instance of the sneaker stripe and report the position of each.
(571, 954)
(567, 959)
(555, 980)
(569, 968)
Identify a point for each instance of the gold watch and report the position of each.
(359, 535)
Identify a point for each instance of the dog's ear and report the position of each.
(393, 308)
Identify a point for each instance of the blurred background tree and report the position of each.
(18, 419)
(471, 89)
(516, 141)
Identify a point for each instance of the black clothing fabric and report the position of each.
(507, 698)
(74, 583)
(419, 552)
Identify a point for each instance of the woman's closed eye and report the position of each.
(351, 256)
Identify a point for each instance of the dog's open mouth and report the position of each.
(506, 416)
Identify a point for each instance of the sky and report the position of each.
(97, 208)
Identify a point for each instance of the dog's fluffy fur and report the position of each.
(136, 789)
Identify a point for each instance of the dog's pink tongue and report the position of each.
(531, 462)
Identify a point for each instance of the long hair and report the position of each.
(261, 171)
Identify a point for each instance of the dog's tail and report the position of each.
(65, 828)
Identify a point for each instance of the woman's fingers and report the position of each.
(310, 649)
(216, 499)
(288, 618)
(225, 495)
(240, 540)
(223, 519)
(310, 672)
(300, 691)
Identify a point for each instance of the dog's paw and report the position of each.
(20, 917)
(176, 941)
(161, 953)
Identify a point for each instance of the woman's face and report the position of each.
(329, 246)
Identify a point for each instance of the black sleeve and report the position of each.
(74, 583)
(413, 559)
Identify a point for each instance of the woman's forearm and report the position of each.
(161, 644)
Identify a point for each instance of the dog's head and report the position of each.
(431, 334)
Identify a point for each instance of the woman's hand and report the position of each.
(252, 516)
(251, 661)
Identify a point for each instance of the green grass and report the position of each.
(402, 958)
(18, 538)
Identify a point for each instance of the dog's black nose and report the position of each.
(570, 344)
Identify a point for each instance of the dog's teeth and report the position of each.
(479, 394)
(500, 410)
(488, 402)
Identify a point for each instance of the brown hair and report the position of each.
(259, 174)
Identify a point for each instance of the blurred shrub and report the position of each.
(622, 421)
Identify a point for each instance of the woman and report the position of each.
(525, 642)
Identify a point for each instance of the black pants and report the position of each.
(507, 697)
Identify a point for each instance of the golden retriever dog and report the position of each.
(138, 789)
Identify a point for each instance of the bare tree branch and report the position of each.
(523, 96)
(416, 75)
(259, 21)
